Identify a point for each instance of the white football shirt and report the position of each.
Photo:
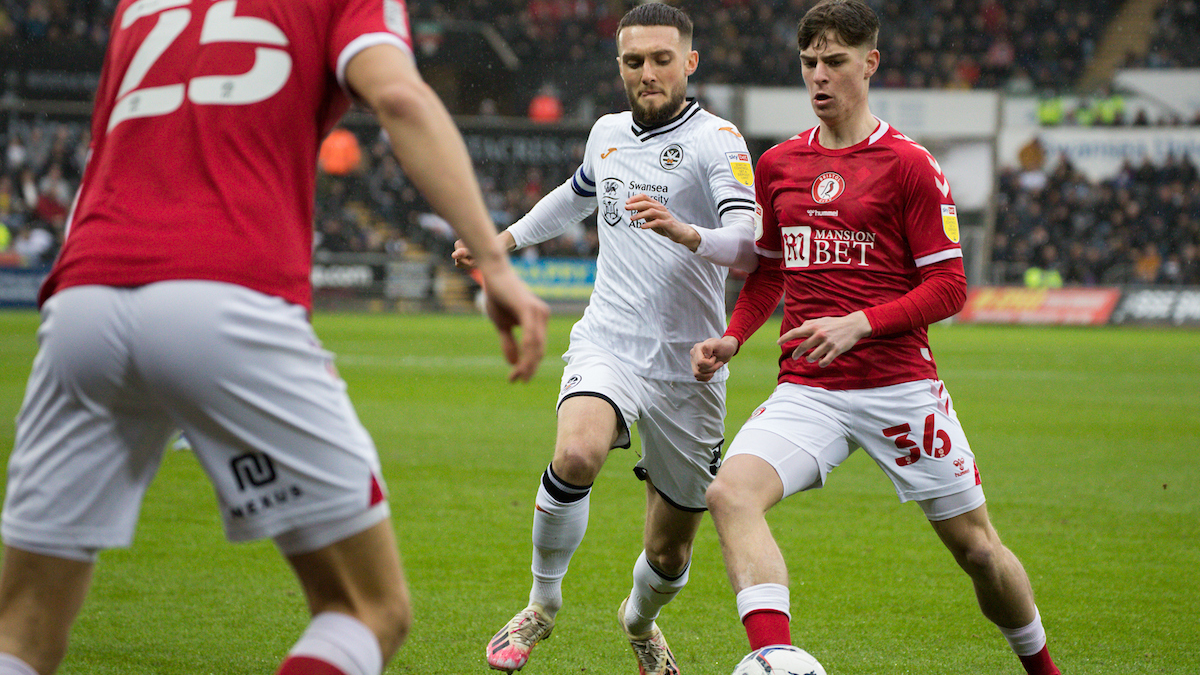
(653, 298)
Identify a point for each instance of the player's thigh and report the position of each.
(89, 437)
(265, 411)
(682, 430)
(593, 376)
(801, 432)
(913, 434)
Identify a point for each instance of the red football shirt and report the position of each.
(845, 230)
(205, 134)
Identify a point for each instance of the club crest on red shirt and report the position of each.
(828, 187)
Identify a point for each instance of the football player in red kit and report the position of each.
(859, 233)
(181, 299)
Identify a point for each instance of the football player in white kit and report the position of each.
(181, 299)
(859, 233)
(668, 168)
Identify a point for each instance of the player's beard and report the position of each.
(648, 117)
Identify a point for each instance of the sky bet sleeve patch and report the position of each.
(950, 222)
(743, 170)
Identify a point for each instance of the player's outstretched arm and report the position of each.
(432, 153)
(465, 260)
(710, 355)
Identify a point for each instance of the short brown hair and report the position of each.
(658, 14)
(853, 21)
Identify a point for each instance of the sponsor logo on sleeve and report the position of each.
(950, 222)
(758, 222)
(743, 170)
(730, 130)
(828, 187)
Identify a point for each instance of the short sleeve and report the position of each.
(359, 24)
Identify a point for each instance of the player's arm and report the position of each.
(940, 295)
(432, 154)
(562, 207)
(731, 245)
(755, 304)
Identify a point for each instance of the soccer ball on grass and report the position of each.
(779, 660)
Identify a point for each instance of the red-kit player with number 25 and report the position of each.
(181, 299)
(860, 235)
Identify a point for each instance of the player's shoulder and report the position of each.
(905, 148)
(717, 127)
(618, 122)
(799, 144)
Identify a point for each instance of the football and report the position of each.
(779, 660)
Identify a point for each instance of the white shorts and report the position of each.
(909, 429)
(681, 424)
(239, 372)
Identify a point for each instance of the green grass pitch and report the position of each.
(1087, 440)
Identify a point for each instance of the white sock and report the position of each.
(343, 642)
(652, 590)
(559, 522)
(764, 596)
(11, 665)
(1027, 640)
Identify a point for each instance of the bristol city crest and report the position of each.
(828, 187)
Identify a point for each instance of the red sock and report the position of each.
(767, 627)
(1040, 663)
(306, 665)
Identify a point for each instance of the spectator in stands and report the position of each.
(546, 106)
(1140, 226)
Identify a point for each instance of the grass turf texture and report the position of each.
(1086, 440)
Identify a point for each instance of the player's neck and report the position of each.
(848, 131)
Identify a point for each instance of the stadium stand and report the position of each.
(1139, 226)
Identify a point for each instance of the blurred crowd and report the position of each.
(1141, 226)
(1176, 41)
(365, 203)
(56, 20)
(39, 172)
(1052, 226)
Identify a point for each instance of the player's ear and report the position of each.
(693, 60)
(872, 63)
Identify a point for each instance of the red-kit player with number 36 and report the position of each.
(181, 299)
(860, 234)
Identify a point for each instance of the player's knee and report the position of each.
(979, 558)
(671, 558)
(578, 464)
(724, 496)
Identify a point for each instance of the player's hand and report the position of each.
(655, 216)
(462, 257)
(510, 304)
(710, 355)
(828, 337)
